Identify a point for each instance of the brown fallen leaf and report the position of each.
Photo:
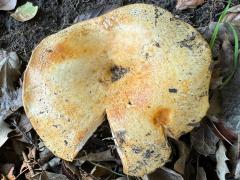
(97, 157)
(201, 174)
(7, 5)
(70, 171)
(7, 169)
(221, 168)
(99, 10)
(10, 175)
(45, 175)
(233, 15)
(184, 151)
(164, 173)
(185, 4)
(22, 127)
(10, 97)
(204, 140)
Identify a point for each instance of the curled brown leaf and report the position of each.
(185, 4)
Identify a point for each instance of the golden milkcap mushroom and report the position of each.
(148, 71)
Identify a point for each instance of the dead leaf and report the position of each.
(237, 170)
(25, 12)
(234, 158)
(204, 140)
(10, 175)
(233, 14)
(215, 104)
(185, 4)
(7, 5)
(234, 9)
(97, 157)
(10, 97)
(230, 98)
(221, 158)
(45, 155)
(4, 130)
(191, 165)
(201, 174)
(7, 169)
(99, 10)
(22, 127)
(164, 173)
(70, 171)
(122, 178)
(179, 165)
(221, 131)
(45, 175)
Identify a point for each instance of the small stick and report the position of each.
(28, 165)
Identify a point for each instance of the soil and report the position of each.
(54, 15)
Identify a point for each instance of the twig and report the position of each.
(28, 165)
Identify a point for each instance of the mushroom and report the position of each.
(147, 71)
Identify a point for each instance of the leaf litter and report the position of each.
(203, 142)
(10, 96)
(7, 5)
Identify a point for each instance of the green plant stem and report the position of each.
(216, 29)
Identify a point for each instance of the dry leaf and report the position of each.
(10, 175)
(4, 130)
(230, 98)
(70, 171)
(234, 160)
(221, 158)
(101, 9)
(233, 15)
(234, 9)
(7, 5)
(215, 104)
(22, 126)
(204, 140)
(201, 174)
(45, 175)
(10, 97)
(179, 165)
(185, 4)
(97, 157)
(25, 12)
(164, 173)
(7, 170)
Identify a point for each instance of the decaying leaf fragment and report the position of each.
(7, 5)
(233, 15)
(185, 4)
(204, 140)
(148, 71)
(10, 97)
(25, 12)
(221, 157)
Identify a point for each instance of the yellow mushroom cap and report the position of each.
(148, 71)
